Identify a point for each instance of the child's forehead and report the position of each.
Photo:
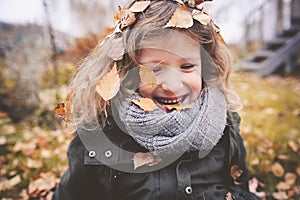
(174, 42)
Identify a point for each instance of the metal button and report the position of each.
(188, 190)
(108, 154)
(92, 154)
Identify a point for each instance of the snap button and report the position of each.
(92, 154)
(188, 190)
(108, 154)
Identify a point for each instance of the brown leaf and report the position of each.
(194, 3)
(290, 178)
(125, 18)
(181, 18)
(201, 16)
(116, 50)
(139, 6)
(108, 86)
(141, 159)
(277, 169)
(60, 110)
(146, 104)
(235, 172)
(283, 186)
(147, 76)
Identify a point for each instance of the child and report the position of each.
(153, 111)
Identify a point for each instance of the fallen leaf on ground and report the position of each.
(290, 178)
(277, 169)
(280, 195)
(283, 186)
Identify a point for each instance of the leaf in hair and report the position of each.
(181, 18)
(201, 16)
(124, 18)
(179, 1)
(147, 76)
(145, 104)
(139, 6)
(116, 50)
(109, 85)
(60, 110)
(195, 3)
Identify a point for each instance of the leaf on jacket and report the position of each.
(235, 173)
(181, 18)
(229, 196)
(146, 104)
(141, 159)
(139, 6)
(117, 50)
(201, 16)
(147, 76)
(108, 86)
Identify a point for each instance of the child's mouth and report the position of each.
(165, 103)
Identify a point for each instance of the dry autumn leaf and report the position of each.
(277, 169)
(293, 146)
(235, 172)
(125, 18)
(181, 18)
(141, 159)
(139, 6)
(229, 196)
(290, 178)
(147, 76)
(283, 186)
(194, 3)
(146, 104)
(201, 16)
(108, 86)
(280, 195)
(60, 110)
(116, 50)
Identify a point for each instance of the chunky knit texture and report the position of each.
(197, 128)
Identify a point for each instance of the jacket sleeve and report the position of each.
(80, 181)
(237, 156)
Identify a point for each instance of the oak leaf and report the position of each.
(108, 86)
(181, 18)
(141, 159)
(147, 76)
(139, 6)
(146, 104)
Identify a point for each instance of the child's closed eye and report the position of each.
(187, 67)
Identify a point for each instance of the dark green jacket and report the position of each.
(94, 170)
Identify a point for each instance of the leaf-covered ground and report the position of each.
(32, 157)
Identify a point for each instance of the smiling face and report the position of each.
(176, 63)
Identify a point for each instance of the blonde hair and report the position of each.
(87, 105)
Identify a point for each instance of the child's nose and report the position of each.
(172, 81)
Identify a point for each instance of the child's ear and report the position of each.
(208, 69)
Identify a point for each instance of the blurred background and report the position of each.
(42, 41)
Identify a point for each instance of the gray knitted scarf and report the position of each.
(197, 128)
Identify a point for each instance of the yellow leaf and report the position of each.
(201, 16)
(146, 104)
(181, 18)
(277, 169)
(141, 159)
(108, 86)
(139, 6)
(147, 76)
